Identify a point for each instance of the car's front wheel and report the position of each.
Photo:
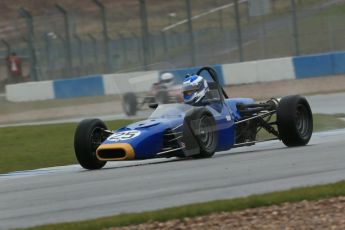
(88, 136)
(203, 126)
(130, 103)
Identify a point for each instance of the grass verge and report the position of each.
(230, 205)
(31, 147)
(39, 146)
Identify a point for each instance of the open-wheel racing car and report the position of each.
(181, 130)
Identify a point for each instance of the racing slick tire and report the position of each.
(203, 126)
(162, 97)
(88, 136)
(294, 120)
(130, 104)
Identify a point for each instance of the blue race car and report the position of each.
(180, 130)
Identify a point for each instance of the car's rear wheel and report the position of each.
(294, 120)
(88, 136)
(130, 103)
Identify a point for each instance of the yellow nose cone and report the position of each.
(115, 152)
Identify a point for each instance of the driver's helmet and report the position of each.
(194, 89)
(167, 78)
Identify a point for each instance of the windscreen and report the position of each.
(170, 111)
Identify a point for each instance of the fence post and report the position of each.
(263, 35)
(330, 28)
(144, 34)
(80, 51)
(239, 30)
(295, 27)
(94, 47)
(67, 38)
(105, 35)
(191, 32)
(124, 46)
(220, 18)
(48, 49)
(137, 46)
(152, 45)
(30, 39)
(165, 44)
(8, 46)
(8, 49)
(63, 41)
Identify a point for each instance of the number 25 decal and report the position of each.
(122, 136)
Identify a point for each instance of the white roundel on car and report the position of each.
(125, 135)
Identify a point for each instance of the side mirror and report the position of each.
(153, 105)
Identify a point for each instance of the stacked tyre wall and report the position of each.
(319, 65)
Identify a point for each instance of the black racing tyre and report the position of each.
(294, 120)
(162, 97)
(203, 126)
(88, 136)
(130, 104)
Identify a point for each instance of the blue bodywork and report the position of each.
(148, 139)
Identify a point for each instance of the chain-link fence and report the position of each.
(81, 38)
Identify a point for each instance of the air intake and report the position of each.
(111, 153)
(115, 152)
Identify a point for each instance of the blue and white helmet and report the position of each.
(194, 89)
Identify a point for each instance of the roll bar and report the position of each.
(214, 76)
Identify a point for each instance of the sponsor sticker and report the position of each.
(125, 135)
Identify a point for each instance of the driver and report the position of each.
(167, 79)
(194, 89)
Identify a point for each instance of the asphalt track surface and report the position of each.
(333, 103)
(71, 193)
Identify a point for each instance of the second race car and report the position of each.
(166, 90)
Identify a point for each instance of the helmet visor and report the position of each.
(188, 94)
(191, 89)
